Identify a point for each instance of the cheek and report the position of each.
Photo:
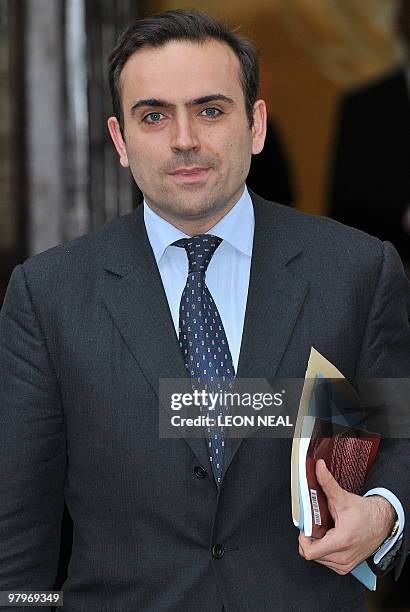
(145, 160)
(239, 151)
(141, 148)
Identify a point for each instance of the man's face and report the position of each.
(186, 134)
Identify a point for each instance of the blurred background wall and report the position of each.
(58, 172)
(59, 175)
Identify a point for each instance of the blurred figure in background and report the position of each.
(270, 173)
(370, 177)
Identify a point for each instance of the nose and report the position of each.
(184, 136)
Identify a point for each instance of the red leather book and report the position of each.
(349, 454)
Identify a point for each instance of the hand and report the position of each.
(361, 525)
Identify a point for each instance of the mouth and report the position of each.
(190, 175)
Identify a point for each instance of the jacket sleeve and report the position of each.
(32, 448)
(385, 354)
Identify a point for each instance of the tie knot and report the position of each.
(200, 250)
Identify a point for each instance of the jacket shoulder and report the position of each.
(88, 250)
(318, 235)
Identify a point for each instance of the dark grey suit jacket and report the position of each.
(85, 335)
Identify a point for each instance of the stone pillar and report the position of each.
(45, 122)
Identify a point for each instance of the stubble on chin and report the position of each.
(186, 206)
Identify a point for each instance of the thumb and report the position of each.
(326, 480)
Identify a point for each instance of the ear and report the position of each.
(259, 126)
(116, 136)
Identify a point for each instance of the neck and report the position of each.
(198, 226)
(194, 227)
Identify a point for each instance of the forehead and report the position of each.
(181, 69)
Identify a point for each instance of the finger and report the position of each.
(323, 547)
(339, 559)
(304, 540)
(308, 553)
(328, 483)
(339, 569)
(335, 562)
(332, 563)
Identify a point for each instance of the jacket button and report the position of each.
(218, 551)
(200, 472)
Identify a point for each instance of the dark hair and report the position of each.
(191, 25)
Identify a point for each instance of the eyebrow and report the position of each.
(156, 102)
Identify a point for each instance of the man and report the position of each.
(370, 181)
(88, 330)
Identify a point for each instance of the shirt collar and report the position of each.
(236, 228)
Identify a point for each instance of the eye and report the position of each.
(153, 117)
(211, 112)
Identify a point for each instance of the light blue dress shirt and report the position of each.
(227, 278)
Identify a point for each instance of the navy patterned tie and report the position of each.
(202, 336)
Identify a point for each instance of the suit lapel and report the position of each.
(277, 289)
(135, 297)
